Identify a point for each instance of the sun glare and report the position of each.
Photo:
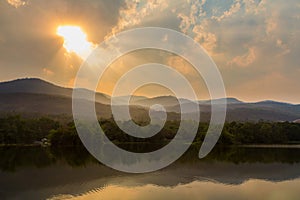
(75, 40)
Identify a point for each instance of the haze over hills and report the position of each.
(36, 96)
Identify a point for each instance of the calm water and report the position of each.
(227, 173)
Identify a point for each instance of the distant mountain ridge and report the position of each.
(39, 86)
(33, 85)
(33, 95)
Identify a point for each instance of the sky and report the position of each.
(254, 43)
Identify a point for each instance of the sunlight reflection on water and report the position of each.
(238, 173)
(254, 189)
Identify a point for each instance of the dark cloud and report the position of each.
(28, 39)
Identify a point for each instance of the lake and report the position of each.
(226, 173)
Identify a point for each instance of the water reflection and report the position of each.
(15, 158)
(252, 189)
(41, 173)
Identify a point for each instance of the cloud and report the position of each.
(191, 18)
(247, 39)
(207, 39)
(181, 65)
(271, 25)
(244, 60)
(75, 41)
(283, 46)
(17, 3)
(48, 72)
(272, 85)
(135, 11)
(28, 40)
(233, 9)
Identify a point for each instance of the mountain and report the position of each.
(42, 104)
(33, 85)
(122, 100)
(219, 101)
(38, 86)
(162, 100)
(38, 97)
(31, 104)
(236, 109)
(33, 96)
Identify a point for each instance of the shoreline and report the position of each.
(292, 146)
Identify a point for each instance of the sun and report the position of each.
(75, 40)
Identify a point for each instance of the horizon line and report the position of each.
(150, 96)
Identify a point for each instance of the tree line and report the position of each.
(15, 129)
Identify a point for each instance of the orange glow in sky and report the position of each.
(75, 40)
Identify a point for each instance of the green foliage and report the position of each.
(15, 129)
(66, 136)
